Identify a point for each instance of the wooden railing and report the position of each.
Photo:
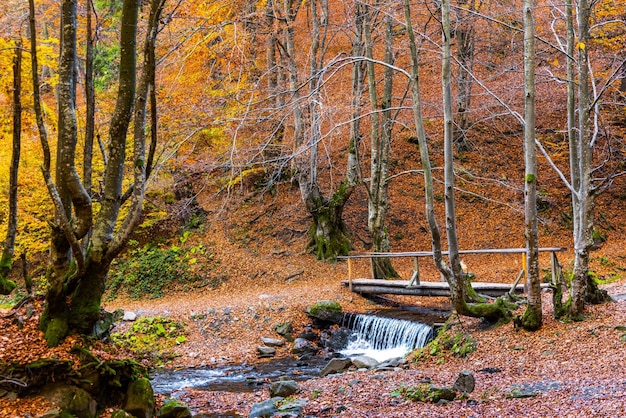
(415, 278)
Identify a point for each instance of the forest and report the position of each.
(179, 178)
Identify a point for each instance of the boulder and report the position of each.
(364, 362)
(140, 399)
(71, 399)
(174, 409)
(339, 339)
(437, 394)
(284, 329)
(336, 365)
(392, 363)
(265, 409)
(265, 352)
(283, 388)
(465, 382)
(302, 347)
(272, 342)
(326, 311)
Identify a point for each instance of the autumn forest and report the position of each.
(179, 159)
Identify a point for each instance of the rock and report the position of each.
(284, 329)
(129, 316)
(364, 362)
(326, 311)
(336, 365)
(174, 409)
(393, 362)
(265, 352)
(308, 334)
(264, 409)
(283, 388)
(121, 414)
(273, 342)
(465, 382)
(140, 399)
(437, 394)
(71, 399)
(292, 407)
(302, 347)
(339, 339)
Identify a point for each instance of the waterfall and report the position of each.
(384, 338)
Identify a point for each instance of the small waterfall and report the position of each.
(384, 338)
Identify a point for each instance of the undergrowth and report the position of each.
(153, 269)
(447, 341)
(152, 338)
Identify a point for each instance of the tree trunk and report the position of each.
(493, 312)
(532, 317)
(8, 248)
(76, 280)
(583, 198)
(464, 33)
(382, 126)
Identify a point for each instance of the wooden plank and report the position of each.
(399, 287)
(430, 254)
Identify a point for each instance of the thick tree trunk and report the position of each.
(76, 279)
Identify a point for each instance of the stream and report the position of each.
(376, 336)
(236, 378)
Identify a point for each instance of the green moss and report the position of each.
(530, 178)
(56, 331)
(426, 393)
(326, 306)
(531, 320)
(6, 286)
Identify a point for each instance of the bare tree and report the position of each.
(460, 290)
(380, 135)
(532, 316)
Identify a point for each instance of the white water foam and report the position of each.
(384, 338)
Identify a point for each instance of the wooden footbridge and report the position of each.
(415, 287)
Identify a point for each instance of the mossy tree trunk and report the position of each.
(77, 273)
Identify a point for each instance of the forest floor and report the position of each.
(566, 368)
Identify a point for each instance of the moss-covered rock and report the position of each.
(140, 399)
(6, 286)
(174, 409)
(326, 311)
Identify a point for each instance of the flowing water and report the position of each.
(378, 337)
(384, 338)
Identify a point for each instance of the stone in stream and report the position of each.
(364, 362)
(336, 365)
(302, 347)
(272, 342)
(339, 339)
